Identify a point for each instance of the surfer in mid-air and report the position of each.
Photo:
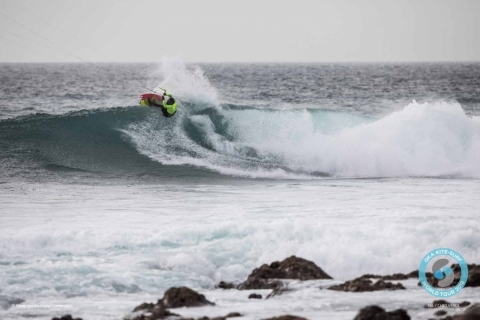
(165, 102)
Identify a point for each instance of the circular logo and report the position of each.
(440, 281)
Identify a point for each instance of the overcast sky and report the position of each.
(240, 30)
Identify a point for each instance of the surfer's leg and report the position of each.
(165, 113)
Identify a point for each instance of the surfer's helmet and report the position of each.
(170, 101)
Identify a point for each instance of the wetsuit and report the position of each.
(169, 107)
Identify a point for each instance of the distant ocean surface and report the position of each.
(104, 204)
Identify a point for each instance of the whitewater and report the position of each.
(360, 168)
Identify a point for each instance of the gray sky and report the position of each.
(242, 31)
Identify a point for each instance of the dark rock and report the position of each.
(377, 313)
(369, 313)
(440, 313)
(152, 312)
(361, 285)
(464, 304)
(287, 317)
(66, 317)
(413, 274)
(471, 313)
(230, 315)
(144, 306)
(225, 285)
(399, 314)
(173, 298)
(473, 279)
(473, 274)
(370, 276)
(437, 304)
(395, 276)
(183, 297)
(290, 268)
(258, 284)
(255, 296)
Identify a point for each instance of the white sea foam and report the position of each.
(430, 139)
(130, 243)
(187, 82)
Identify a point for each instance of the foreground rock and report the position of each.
(266, 277)
(173, 298)
(440, 313)
(377, 313)
(287, 317)
(362, 285)
(183, 297)
(471, 313)
(66, 317)
(152, 312)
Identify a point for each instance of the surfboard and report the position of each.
(148, 99)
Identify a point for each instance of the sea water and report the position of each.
(360, 168)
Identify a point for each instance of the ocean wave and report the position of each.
(430, 139)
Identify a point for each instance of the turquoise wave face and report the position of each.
(436, 139)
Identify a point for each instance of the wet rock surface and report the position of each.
(378, 313)
(395, 276)
(362, 285)
(230, 315)
(225, 285)
(473, 279)
(66, 317)
(173, 298)
(265, 277)
(473, 274)
(471, 313)
(183, 297)
(287, 317)
(259, 284)
(155, 313)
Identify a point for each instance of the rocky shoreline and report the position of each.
(272, 277)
